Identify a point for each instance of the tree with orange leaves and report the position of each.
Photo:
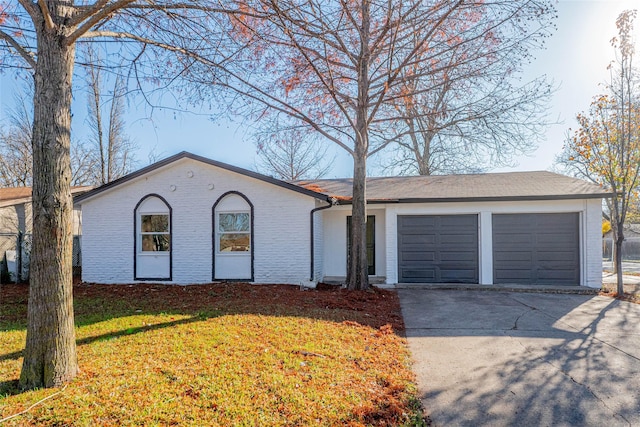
(339, 68)
(606, 147)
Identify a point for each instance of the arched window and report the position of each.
(152, 249)
(233, 237)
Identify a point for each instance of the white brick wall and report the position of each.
(592, 229)
(318, 243)
(281, 225)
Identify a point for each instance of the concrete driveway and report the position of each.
(524, 359)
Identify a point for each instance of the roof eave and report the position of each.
(484, 199)
(505, 198)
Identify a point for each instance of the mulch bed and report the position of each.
(631, 292)
(374, 307)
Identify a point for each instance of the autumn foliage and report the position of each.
(597, 144)
(606, 147)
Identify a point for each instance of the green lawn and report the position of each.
(220, 355)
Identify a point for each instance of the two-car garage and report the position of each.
(527, 248)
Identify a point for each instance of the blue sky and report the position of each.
(576, 59)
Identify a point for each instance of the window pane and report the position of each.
(234, 222)
(155, 243)
(235, 242)
(155, 223)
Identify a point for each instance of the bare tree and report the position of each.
(606, 147)
(16, 154)
(15, 146)
(341, 67)
(112, 152)
(41, 37)
(291, 154)
(477, 118)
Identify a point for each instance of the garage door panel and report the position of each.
(518, 265)
(557, 239)
(515, 223)
(514, 240)
(514, 273)
(419, 256)
(560, 275)
(458, 256)
(457, 221)
(457, 275)
(417, 222)
(554, 265)
(451, 239)
(558, 221)
(514, 256)
(557, 256)
(438, 248)
(536, 248)
(418, 239)
(428, 274)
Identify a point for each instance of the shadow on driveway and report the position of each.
(504, 359)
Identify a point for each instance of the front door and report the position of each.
(371, 243)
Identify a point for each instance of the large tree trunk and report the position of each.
(50, 352)
(357, 268)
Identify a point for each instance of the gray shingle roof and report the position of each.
(437, 188)
(539, 185)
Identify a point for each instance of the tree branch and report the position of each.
(48, 21)
(25, 54)
(94, 15)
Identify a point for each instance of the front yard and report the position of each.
(222, 354)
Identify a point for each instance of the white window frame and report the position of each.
(220, 233)
(141, 233)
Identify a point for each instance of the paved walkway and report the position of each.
(524, 359)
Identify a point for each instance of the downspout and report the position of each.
(332, 202)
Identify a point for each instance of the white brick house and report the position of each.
(188, 219)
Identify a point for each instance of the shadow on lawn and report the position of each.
(121, 333)
(98, 303)
(11, 387)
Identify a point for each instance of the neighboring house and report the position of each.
(630, 245)
(189, 219)
(16, 221)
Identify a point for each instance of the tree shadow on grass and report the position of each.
(11, 387)
(100, 303)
